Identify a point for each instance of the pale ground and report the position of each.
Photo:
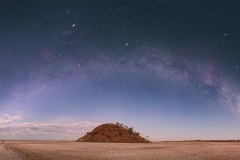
(43, 150)
(6, 154)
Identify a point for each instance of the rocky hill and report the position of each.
(115, 133)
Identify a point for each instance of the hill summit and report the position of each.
(115, 133)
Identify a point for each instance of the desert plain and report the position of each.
(62, 150)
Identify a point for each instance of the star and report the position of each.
(73, 25)
(126, 44)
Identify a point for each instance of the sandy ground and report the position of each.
(7, 154)
(40, 150)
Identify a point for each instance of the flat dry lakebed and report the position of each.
(55, 150)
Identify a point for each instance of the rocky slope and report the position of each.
(116, 133)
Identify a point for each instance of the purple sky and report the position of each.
(169, 69)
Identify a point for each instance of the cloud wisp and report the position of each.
(15, 128)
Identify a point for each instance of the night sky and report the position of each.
(169, 68)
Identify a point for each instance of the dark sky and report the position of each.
(169, 68)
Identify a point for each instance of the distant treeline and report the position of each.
(205, 141)
(217, 140)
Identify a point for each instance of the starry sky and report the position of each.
(170, 68)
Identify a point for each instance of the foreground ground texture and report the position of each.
(40, 150)
(7, 154)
